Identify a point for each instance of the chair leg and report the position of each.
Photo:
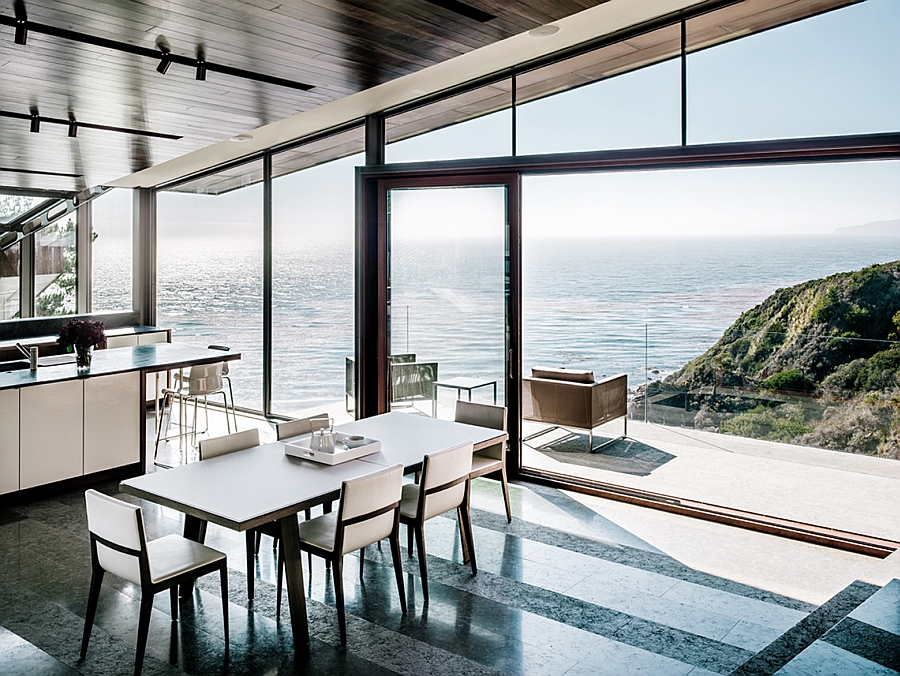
(233, 412)
(338, 567)
(362, 562)
(505, 485)
(409, 540)
(280, 576)
(423, 565)
(223, 578)
(398, 567)
(326, 509)
(225, 406)
(173, 602)
(93, 599)
(463, 537)
(143, 629)
(257, 541)
(467, 519)
(250, 537)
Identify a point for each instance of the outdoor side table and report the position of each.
(467, 384)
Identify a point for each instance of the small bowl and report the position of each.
(354, 440)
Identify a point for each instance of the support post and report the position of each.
(267, 285)
(84, 258)
(144, 255)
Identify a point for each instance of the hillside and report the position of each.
(814, 364)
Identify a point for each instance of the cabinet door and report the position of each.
(9, 441)
(126, 340)
(51, 433)
(156, 337)
(112, 410)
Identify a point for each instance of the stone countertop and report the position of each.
(154, 357)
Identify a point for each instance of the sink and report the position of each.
(8, 366)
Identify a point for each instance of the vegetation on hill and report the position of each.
(815, 364)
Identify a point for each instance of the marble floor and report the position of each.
(573, 586)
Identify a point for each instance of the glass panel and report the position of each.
(313, 280)
(831, 74)
(474, 124)
(111, 252)
(741, 384)
(328, 149)
(55, 272)
(613, 97)
(447, 297)
(10, 266)
(13, 206)
(209, 280)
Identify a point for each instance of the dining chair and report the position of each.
(239, 441)
(489, 460)
(119, 546)
(444, 486)
(226, 376)
(368, 512)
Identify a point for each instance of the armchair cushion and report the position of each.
(568, 375)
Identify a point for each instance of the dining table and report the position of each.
(258, 485)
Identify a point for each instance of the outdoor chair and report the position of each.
(491, 460)
(444, 486)
(119, 546)
(569, 398)
(414, 381)
(368, 512)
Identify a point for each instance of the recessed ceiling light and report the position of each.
(241, 138)
(543, 31)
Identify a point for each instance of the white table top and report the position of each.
(249, 488)
(406, 437)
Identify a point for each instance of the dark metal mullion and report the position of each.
(514, 118)
(683, 82)
(267, 286)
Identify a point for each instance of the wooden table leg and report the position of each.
(194, 529)
(290, 537)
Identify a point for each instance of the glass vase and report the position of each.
(83, 354)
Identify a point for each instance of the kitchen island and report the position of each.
(59, 428)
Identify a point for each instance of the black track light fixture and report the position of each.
(164, 61)
(35, 121)
(201, 63)
(21, 36)
(73, 126)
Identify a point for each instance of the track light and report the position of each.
(201, 62)
(35, 122)
(164, 62)
(73, 127)
(21, 22)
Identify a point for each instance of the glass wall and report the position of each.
(627, 95)
(55, 272)
(111, 252)
(209, 278)
(447, 297)
(10, 269)
(831, 74)
(744, 308)
(313, 276)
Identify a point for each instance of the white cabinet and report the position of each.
(155, 337)
(9, 441)
(127, 340)
(112, 421)
(51, 432)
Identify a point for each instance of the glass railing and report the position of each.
(832, 392)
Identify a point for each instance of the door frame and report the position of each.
(372, 286)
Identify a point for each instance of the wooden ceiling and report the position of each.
(338, 46)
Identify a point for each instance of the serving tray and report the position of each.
(301, 449)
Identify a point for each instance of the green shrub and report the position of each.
(791, 379)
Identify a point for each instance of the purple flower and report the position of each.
(82, 333)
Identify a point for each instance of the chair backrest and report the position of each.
(294, 428)
(210, 448)
(413, 380)
(368, 508)
(122, 525)
(444, 476)
(205, 379)
(483, 415)
(223, 348)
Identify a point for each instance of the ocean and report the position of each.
(611, 305)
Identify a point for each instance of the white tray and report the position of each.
(301, 449)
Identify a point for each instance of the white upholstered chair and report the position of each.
(368, 512)
(444, 486)
(295, 428)
(239, 441)
(491, 460)
(119, 546)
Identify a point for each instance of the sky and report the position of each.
(838, 73)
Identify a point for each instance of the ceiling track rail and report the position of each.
(31, 223)
(23, 27)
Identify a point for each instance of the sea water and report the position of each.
(644, 306)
